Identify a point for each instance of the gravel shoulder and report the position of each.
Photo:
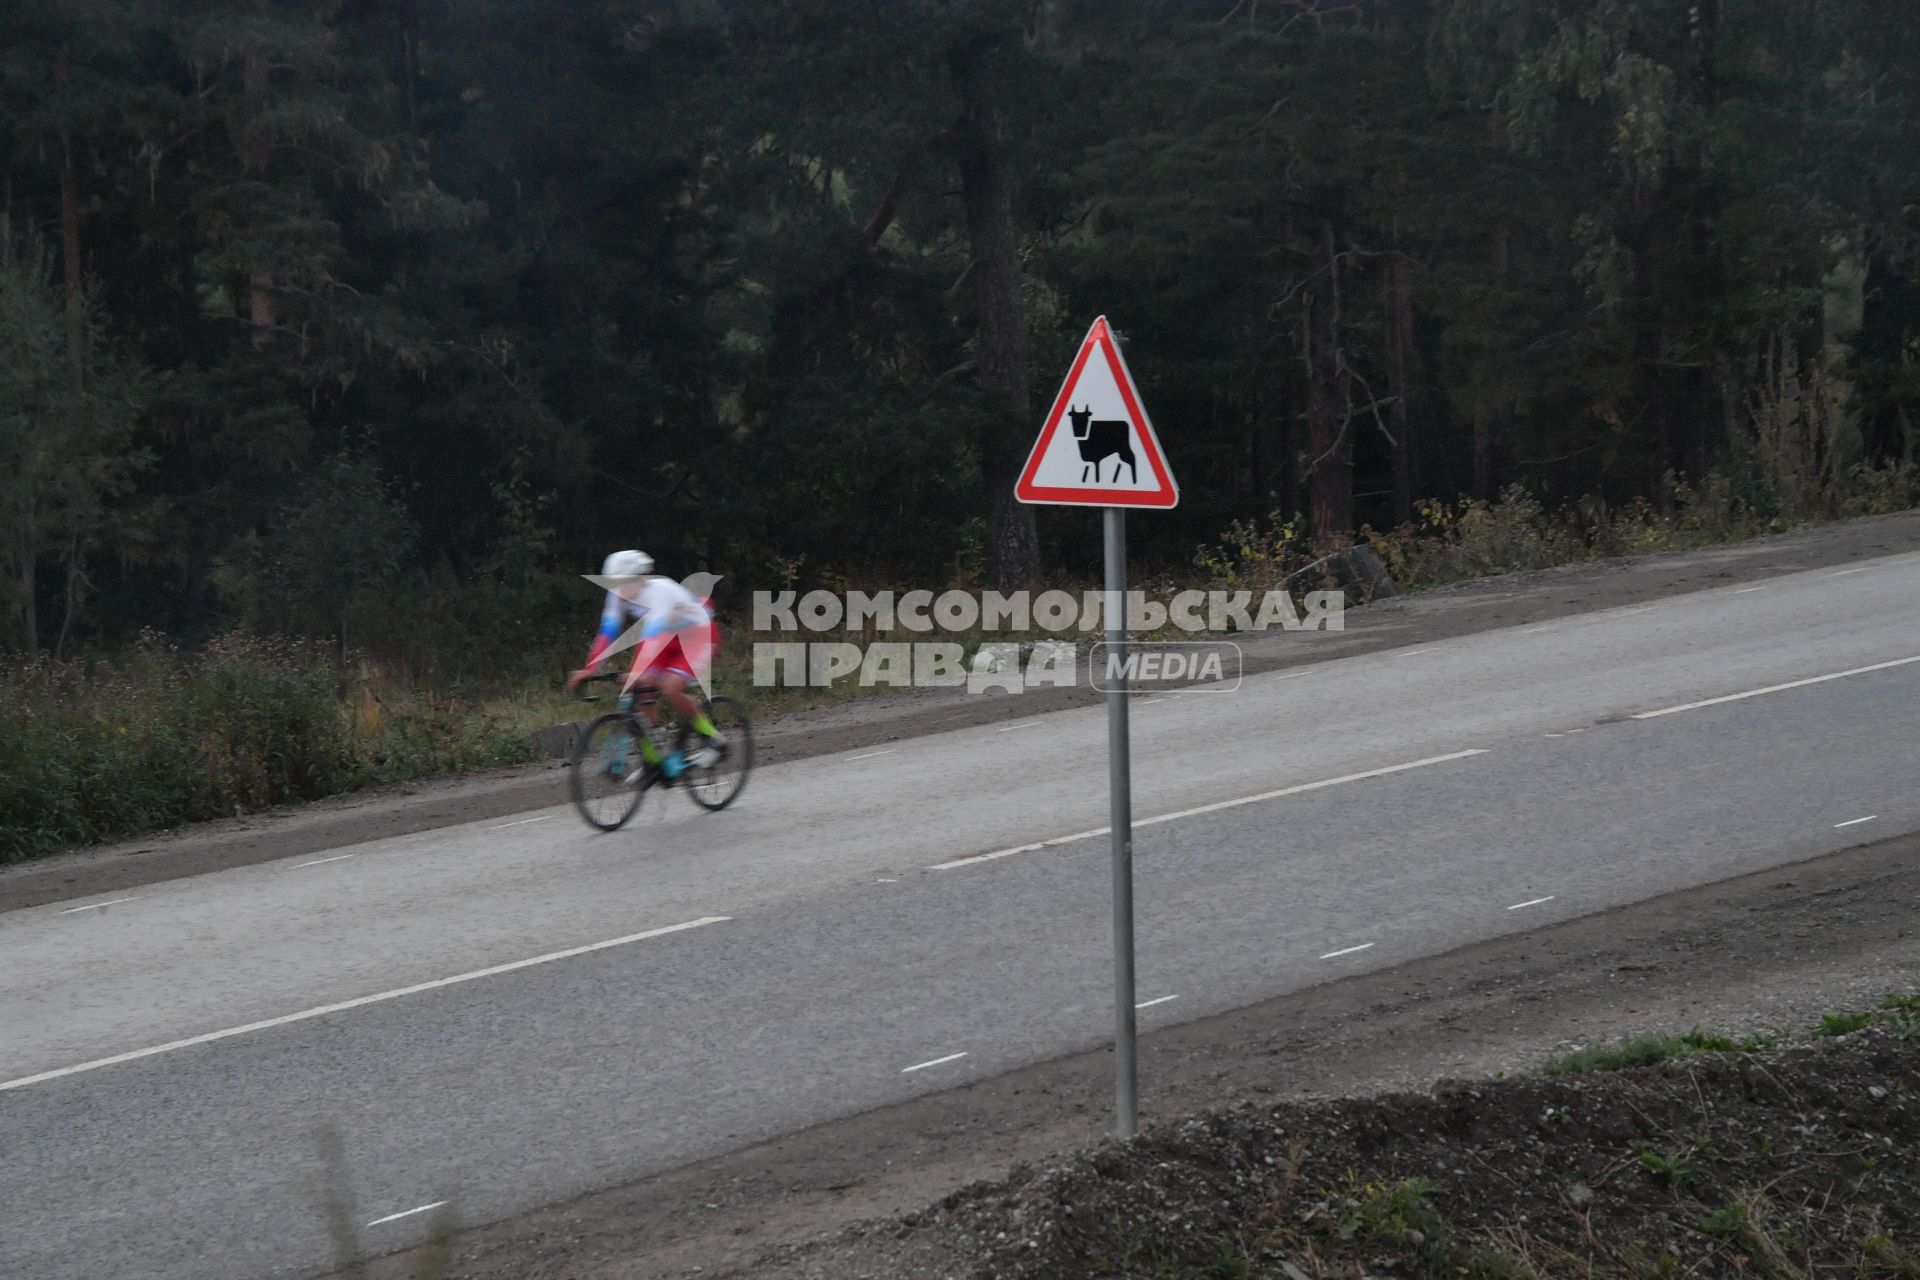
(1485, 604)
(924, 1189)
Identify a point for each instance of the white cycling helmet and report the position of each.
(627, 564)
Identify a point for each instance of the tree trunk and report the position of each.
(1329, 407)
(257, 83)
(1704, 89)
(70, 599)
(70, 247)
(1651, 400)
(1698, 395)
(1482, 454)
(1397, 285)
(1486, 402)
(1013, 543)
(29, 614)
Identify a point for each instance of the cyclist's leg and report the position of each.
(637, 677)
(673, 687)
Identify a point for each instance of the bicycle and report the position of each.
(610, 776)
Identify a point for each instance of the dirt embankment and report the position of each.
(1789, 1164)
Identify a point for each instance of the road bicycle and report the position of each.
(610, 775)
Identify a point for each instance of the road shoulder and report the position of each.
(1774, 950)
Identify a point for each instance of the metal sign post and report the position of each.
(1120, 802)
(1097, 449)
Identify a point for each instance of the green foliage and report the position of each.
(345, 539)
(1645, 1051)
(1726, 1222)
(1883, 1258)
(1842, 1024)
(67, 411)
(89, 751)
(446, 300)
(1670, 1168)
(1396, 1213)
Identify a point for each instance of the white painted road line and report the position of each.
(342, 1006)
(1534, 631)
(1744, 590)
(1844, 572)
(1854, 822)
(1408, 653)
(521, 823)
(338, 857)
(1148, 1004)
(1334, 955)
(922, 1066)
(1776, 688)
(871, 754)
(406, 1213)
(95, 906)
(1628, 613)
(1038, 845)
(1149, 702)
(1531, 902)
(1010, 728)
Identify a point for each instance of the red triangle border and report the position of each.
(1100, 338)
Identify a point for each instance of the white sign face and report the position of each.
(1097, 448)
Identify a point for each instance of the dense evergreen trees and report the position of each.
(461, 290)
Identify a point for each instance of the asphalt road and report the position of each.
(504, 1014)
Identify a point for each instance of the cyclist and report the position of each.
(662, 607)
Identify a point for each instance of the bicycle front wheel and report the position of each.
(607, 771)
(719, 784)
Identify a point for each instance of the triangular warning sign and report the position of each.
(1097, 448)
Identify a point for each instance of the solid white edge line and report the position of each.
(338, 857)
(922, 1066)
(871, 754)
(1408, 653)
(1746, 590)
(1532, 902)
(1775, 688)
(1148, 1004)
(1347, 951)
(1037, 845)
(343, 1005)
(1855, 822)
(1844, 572)
(521, 823)
(95, 906)
(1010, 728)
(395, 1217)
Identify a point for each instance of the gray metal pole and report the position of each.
(1120, 790)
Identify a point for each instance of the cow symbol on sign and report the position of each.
(1099, 441)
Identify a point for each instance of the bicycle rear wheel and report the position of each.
(718, 785)
(606, 778)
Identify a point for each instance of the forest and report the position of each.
(378, 321)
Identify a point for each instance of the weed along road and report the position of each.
(489, 1017)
